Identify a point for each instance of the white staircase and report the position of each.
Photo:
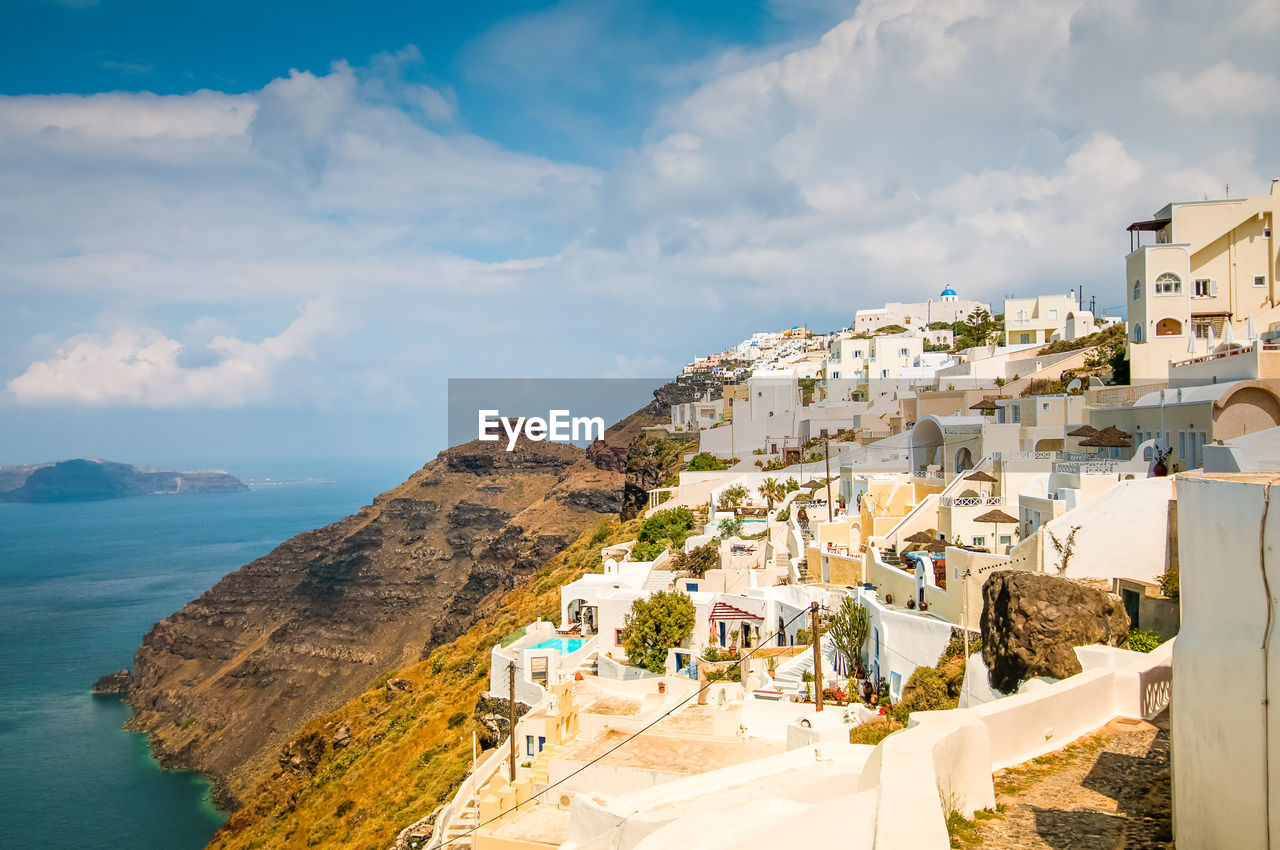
(659, 580)
(788, 676)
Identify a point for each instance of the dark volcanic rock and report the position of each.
(1032, 622)
(113, 683)
(225, 684)
(607, 457)
(493, 716)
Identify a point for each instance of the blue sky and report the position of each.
(236, 232)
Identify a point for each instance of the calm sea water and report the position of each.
(80, 584)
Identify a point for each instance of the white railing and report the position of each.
(970, 501)
(927, 473)
(1093, 467)
(1056, 456)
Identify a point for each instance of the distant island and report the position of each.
(88, 479)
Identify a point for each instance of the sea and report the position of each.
(80, 584)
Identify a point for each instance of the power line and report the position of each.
(624, 741)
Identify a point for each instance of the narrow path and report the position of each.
(1107, 791)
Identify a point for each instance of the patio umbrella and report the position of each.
(1191, 343)
(1228, 335)
(986, 404)
(1250, 330)
(936, 547)
(1211, 341)
(1109, 437)
(996, 517)
(1083, 431)
(980, 475)
(921, 537)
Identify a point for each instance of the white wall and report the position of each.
(1226, 737)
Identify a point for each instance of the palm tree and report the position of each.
(773, 490)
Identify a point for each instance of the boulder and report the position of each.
(114, 683)
(1031, 624)
(493, 718)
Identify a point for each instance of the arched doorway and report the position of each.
(1246, 410)
(964, 460)
(1168, 327)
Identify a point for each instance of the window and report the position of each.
(904, 352)
(1168, 327)
(1259, 280)
(877, 634)
(1137, 290)
(1168, 284)
(1053, 314)
(1022, 316)
(529, 745)
(979, 541)
(691, 587)
(1201, 289)
(884, 373)
(1137, 332)
(1016, 411)
(617, 637)
(1024, 339)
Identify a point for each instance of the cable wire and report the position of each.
(622, 743)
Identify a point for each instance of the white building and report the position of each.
(1039, 320)
(948, 308)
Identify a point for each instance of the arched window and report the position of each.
(1137, 332)
(1168, 327)
(1137, 290)
(1168, 284)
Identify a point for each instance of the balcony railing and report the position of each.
(927, 473)
(1093, 467)
(970, 501)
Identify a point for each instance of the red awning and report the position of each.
(725, 611)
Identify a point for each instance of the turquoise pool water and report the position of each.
(566, 646)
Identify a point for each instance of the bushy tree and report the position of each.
(926, 690)
(698, 560)
(979, 328)
(657, 624)
(731, 497)
(706, 462)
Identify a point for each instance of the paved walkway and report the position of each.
(1107, 791)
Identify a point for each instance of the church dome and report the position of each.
(948, 291)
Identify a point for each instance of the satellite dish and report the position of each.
(1074, 386)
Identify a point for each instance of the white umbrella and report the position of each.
(1191, 343)
(1228, 335)
(1212, 340)
(1250, 330)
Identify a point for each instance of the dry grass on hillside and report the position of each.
(404, 758)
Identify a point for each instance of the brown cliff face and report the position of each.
(222, 685)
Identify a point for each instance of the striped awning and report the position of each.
(725, 611)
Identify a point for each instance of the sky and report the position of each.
(250, 233)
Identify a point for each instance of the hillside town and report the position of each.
(901, 562)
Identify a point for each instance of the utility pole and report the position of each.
(817, 655)
(827, 449)
(964, 627)
(511, 719)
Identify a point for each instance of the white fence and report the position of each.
(970, 501)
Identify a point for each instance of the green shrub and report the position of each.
(457, 719)
(1169, 582)
(344, 807)
(1141, 640)
(646, 550)
(706, 462)
(926, 690)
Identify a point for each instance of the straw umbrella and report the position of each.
(1083, 431)
(921, 537)
(1109, 437)
(980, 475)
(997, 518)
(986, 405)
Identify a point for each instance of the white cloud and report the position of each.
(143, 367)
(982, 143)
(1221, 88)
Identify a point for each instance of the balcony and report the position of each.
(971, 501)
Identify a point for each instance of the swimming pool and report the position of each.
(566, 646)
(751, 526)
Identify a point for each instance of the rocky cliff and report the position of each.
(224, 685)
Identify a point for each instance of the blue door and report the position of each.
(722, 632)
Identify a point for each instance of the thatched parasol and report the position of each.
(1083, 431)
(936, 546)
(986, 404)
(980, 475)
(921, 537)
(997, 518)
(1109, 437)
